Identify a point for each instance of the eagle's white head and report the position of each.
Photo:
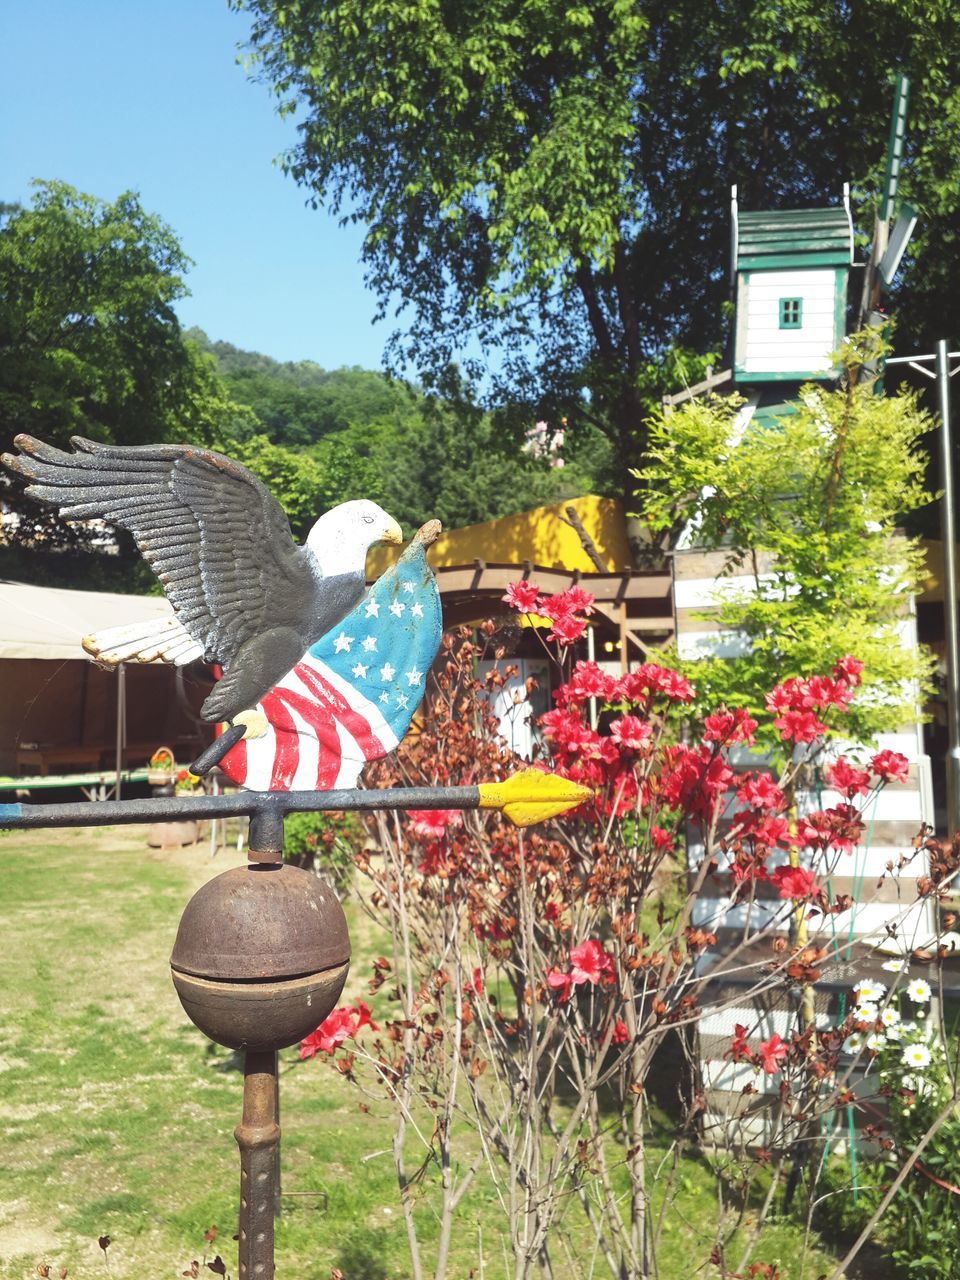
(341, 537)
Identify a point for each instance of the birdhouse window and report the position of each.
(791, 313)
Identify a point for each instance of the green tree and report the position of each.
(811, 507)
(89, 341)
(551, 182)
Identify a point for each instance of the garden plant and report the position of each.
(535, 980)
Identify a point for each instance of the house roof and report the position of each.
(788, 238)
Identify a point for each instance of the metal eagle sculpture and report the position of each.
(247, 597)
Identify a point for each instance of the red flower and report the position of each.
(590, 963)
(773, 831)
(620, 1032)
(848, 669)
(630, 733)
(799, 726)
(338, 1026)
(587, 681)
(848, 780)
(661, 839)
(890, 766)
(573, 600)
(523, 596)
(772, 1052)
(561, 983)
(761, 792)
(567, 629)
(729, 726)
(476, 982)
(432, 823)
(793, 882)
(739, 1050)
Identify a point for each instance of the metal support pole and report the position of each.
(948, 525)
(258, 1137)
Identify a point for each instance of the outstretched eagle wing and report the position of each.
(213, 534)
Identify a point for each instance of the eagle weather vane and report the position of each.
(316, 677)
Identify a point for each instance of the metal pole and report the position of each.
(947, 513)
(121, 722)
(258, 1137)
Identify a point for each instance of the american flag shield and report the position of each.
(352, 695)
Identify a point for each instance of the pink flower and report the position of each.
(848, 780)
(561, 983)
(432, 823)
(590, 963)
(773, 831)
(794, 882)
(761, 792)
(799, 726)
(573, 600)
(630, 733)
(342, 1024)
(567, 629)
(523, 596)
(588, 681)
(848, 669)
(729, 726)
(772, 1052)
(890, 766)
(739, 1050)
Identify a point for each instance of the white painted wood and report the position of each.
(763, 347)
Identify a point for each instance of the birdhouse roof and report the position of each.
(793, 238)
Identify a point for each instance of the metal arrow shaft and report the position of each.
(272, 804)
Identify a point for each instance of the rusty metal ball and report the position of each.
(261, 956)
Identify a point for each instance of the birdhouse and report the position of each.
(790, 270)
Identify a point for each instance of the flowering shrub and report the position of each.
(530, 966)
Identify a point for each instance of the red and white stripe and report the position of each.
(321, 731)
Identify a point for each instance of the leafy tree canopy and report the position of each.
(89, 341)
(552, 181)
(810, 508)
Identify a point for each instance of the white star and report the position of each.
(343, 642)
(413, 676)
(387, 672)
(360, 670)
(402, 701)
(369, 643)
(416, 611)
(373, 608)
(397, 609)
(384, 697)
(408, 588)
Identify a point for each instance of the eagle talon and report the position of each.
(255, 723)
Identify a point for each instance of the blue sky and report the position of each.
(111, 95)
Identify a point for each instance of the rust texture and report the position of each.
(258, 1137)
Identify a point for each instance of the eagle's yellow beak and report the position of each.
(393, 533)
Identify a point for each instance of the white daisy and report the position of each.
(890, 1016)
(916, 1055)
(869, 992)
(865, 1012)
(854, 1042)
(896, 966)
(895, 1031)
(876, 1041)
(919, 991)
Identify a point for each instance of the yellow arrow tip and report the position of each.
(531, 796)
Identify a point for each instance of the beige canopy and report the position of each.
(59, 711)
(50, 622)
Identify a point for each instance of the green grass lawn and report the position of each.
(117, 1115)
